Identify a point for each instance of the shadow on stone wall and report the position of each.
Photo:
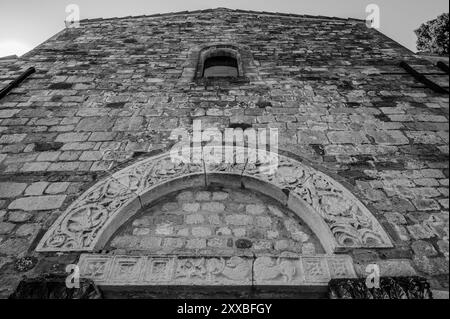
(54, 287)
(390, 288)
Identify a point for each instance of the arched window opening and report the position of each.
(220, 62)
(220, 66)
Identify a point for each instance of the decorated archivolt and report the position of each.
(96, 212)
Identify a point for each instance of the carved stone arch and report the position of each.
(333, 213)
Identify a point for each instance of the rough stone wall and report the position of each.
(216, 222)
(332, 87)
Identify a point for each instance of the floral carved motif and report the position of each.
(349, 221)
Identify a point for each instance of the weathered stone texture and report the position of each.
(113, 89)
(190, 222)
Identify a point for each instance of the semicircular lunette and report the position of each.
(331, 209)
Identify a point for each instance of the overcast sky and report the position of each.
(27, 23)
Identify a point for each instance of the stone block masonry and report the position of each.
(331, 86)
(37, 203)
(214, 222)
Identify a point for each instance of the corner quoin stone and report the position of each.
(38, 203)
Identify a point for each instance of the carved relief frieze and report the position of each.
(235, 270)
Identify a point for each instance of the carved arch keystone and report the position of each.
(333, 213)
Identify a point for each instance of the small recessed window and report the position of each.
(220, 66)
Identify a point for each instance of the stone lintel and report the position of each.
(119, 270)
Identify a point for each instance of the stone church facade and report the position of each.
(86, 175)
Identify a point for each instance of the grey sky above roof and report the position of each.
(24, 24)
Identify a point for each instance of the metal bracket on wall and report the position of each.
(444, 67)
(4, 92)
(423, 79)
